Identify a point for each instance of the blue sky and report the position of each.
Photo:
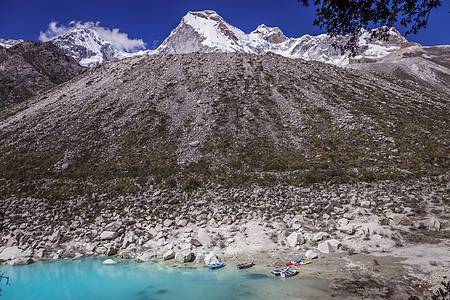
(152, 21)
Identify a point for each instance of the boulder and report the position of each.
(182, 223)
(335, 244)
(20, 261)
(432, 224)
(168, 223)
(148, 255)
(325, 247)
(185, 256)
(213, 223)
(295, 239)
(196, 243)
(211, 258)
(169, 255)
(319, 236)
(365, 204)
(114, 226)
(108, 235)
(348, 229)
(109, 261)
(130, 252)
(13, 252)
(342, 222)
(111, 251)
(296, 225)
(56, 236)
(200, 257)
(233, 228)
(311, 254)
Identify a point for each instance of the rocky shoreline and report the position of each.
(384, 239)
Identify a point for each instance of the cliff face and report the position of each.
(29, 68)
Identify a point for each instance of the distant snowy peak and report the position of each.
(9, 43)
(89, 48)
(206, 31)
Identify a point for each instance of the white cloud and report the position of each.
(113, 36)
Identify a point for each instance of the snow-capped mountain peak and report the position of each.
(206, 31)
(89, 48)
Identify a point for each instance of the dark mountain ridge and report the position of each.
(28, 68)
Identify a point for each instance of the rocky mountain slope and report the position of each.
(220, 119)
(28, 68)
(428, 66)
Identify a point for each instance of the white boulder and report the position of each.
(211, 258)
(148, 255)
(311, 254)
(20, 261)
(335, 244)
(295, 239)
(13, 252)
(213, 223)
(108, 235)
(168, 223)
(185, 256)
(432, 224)
(109, 261)
(325, 247)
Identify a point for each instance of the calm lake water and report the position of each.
(90, 279)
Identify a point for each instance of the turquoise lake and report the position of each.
(89, 279)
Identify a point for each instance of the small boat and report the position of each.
(289, 273)
(293, 262)
(278, 272)
(245, 265)
(217, 265)
(302, 263)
